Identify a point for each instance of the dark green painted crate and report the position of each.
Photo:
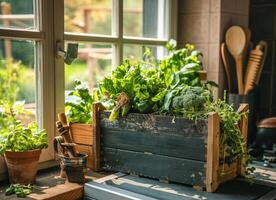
(161, 147)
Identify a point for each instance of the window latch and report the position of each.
(70, 55)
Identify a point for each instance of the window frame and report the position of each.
(50, 30)
(44, 61)
(118, 39)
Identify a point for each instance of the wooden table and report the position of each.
(55, 188)
(52, 187)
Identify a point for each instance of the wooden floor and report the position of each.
(51, 187)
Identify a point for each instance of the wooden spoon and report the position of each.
(236, 44)
(224, 55)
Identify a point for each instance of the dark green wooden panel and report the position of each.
(161, 143)
(154, 166)
(262, 22)
(156, 124)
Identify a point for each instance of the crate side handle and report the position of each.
(243, 126)
(97, 108)
(212, 169)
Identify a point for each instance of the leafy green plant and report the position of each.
(9, 80)
(79, 104)
(146, 83)
(15, 136)
(194, 103)
(21, 191)
(172, 87)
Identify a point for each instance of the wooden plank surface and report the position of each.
(162, 135)
(212, 170)
(161, 143)
(269, 196)
(51, 187)
(110, 177)
(73, 192)
(233, 190)
(155, 124)
(97, 191)
(97, 108)
(155, 166)
(82, 133)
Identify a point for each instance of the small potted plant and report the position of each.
(20, 144)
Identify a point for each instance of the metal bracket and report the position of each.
(70, 55)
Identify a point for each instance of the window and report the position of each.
(110, 30)
(26, 60)
(107, 31)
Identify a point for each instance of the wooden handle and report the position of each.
(226, 65)
(62, 118)
(239, 70)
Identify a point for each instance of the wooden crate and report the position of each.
(82, 135)
(163, 147)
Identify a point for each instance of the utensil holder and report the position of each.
(75, 168)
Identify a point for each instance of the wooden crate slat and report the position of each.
(161, 143)
(212, 171)
(155, 166)
(156, 124)
(82, 133)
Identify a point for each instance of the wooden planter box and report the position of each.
(82, 135)
(163, 147)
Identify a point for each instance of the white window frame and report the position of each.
(44, 61)
(117, 39)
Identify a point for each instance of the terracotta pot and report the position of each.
(22, 166)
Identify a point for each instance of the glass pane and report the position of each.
(144, 18)
(136, 52)
(88, 16)
(17, 14)
(18, 74)
(93, 63)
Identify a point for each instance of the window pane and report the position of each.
(94, 62)
(17, 14)
(88, 16)
(18, 74)
(136, 52)
(144, 18)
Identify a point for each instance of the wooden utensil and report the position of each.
(236, 44)
(253, 70)
(61, 140)
(264, 44)
(224, 55)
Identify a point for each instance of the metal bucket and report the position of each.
(75, 168)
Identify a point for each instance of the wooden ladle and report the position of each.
(236, 42)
